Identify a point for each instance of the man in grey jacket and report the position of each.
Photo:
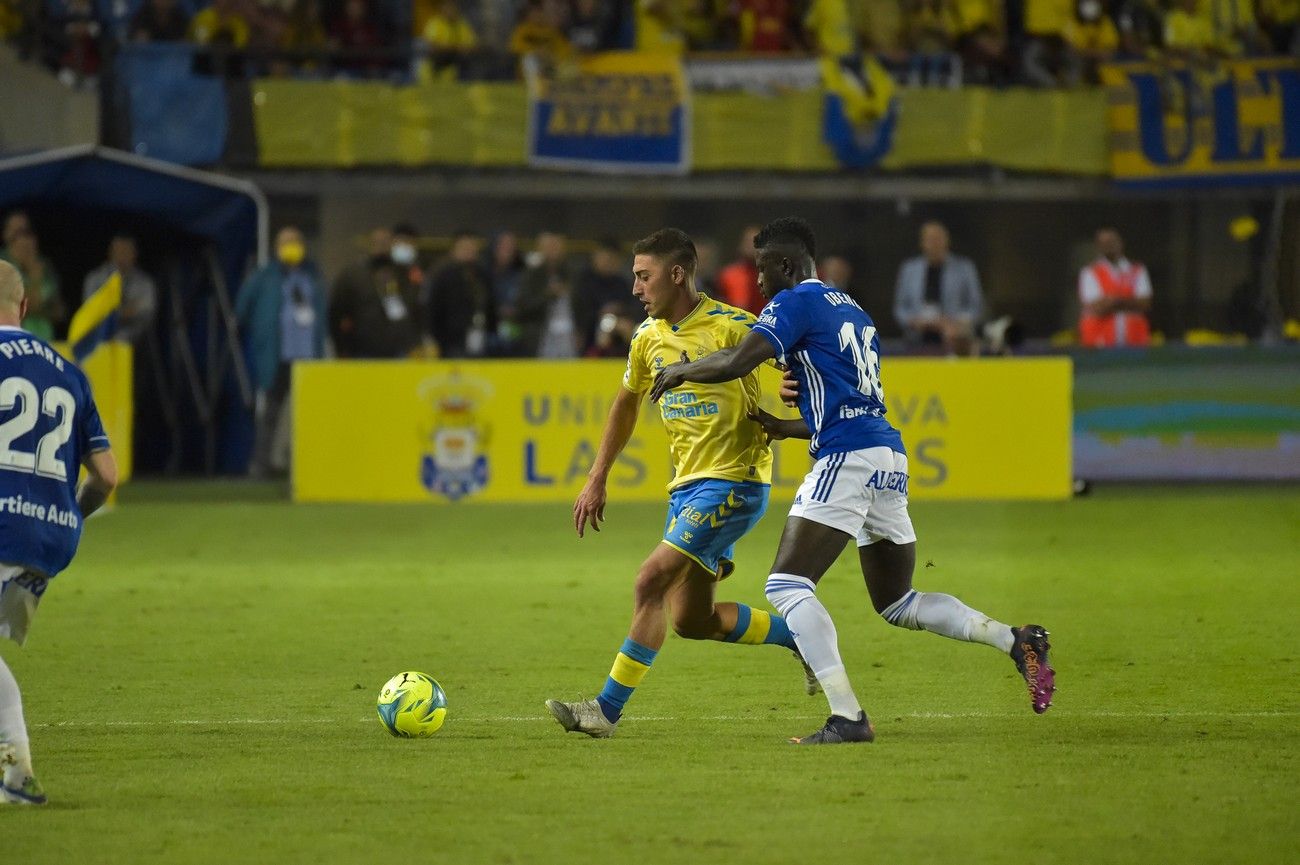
(938, 297)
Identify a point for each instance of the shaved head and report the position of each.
(11, 294)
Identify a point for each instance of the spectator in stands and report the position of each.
(375, 311)
(1280, 20)
(829, 29)
(45, 310)
(1189, 33)
(614, 331)
(1141, 28)
(545, 310)
(449, 39)
(1236, 30)
(462, 313)
(281, 311)
(700, 25)
(220, 24)
(593, 25)
(930, 36)
(938, 298)
(160, 21)
(539, 31)
(981, 44)
(506, 271)
(603, 287)
(11, 20)
(79, 59)
(659, 27)
(139, 294)
(738, 281)
(708, 261)
(1115, 296)
(304, 33)
(405, 252)
(1093, 40)
(835, 270)
(1045, 57)
(764, 25)
(357, 33)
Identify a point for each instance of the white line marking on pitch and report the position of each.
(275, 722)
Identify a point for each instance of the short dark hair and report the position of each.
(609, 243)
(406, 229)
(672, 244)
(788, 229)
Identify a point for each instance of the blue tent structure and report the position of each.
(198, 233)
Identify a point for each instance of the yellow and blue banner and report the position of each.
(625, 112)
(1236, 122)
(528, 431)
(96, 319)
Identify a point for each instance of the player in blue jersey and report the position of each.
(858, 485)
(49, 429)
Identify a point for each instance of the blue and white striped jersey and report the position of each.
(831, 344)
(48, 425)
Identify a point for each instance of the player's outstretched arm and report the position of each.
(724, 365)
(101, 479)
(590, 505)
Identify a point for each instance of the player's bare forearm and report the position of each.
(589, 508)
(724, 365)
(618, 431)
(780, 428)
(101, 478)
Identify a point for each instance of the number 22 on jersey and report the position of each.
(56, 403)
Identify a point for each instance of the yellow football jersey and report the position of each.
(709, 432)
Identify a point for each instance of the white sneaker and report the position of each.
(811, 686)
(584, 717)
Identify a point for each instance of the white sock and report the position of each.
(814, 634)
(943, 614)
(12, 729)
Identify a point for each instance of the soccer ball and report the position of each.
(412, 706)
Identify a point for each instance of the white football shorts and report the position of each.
(862, 493)
(20, 593)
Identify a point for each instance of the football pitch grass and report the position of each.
(201, 688)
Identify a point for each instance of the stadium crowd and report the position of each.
(1043, 43)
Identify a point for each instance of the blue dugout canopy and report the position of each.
(99, 184)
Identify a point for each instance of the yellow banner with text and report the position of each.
(527, 431)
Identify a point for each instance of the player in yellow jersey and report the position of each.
(722, 475)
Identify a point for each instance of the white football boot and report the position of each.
(583, 717)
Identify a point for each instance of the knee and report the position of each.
(652, 584)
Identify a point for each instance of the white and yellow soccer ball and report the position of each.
(412, 705)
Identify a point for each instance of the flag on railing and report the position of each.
(96, 320)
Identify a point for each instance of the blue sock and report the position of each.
(759, 627)
(630, 666)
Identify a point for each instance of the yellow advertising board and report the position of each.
(527, 431)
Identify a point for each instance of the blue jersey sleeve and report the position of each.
(783, 322)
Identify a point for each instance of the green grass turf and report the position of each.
(201, 686)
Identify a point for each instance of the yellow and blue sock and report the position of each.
(758, 627)
(630, 666)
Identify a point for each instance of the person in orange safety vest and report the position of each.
(1115, 294)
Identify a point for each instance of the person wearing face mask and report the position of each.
(375, 310)
(405, 252)
(281, 313)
